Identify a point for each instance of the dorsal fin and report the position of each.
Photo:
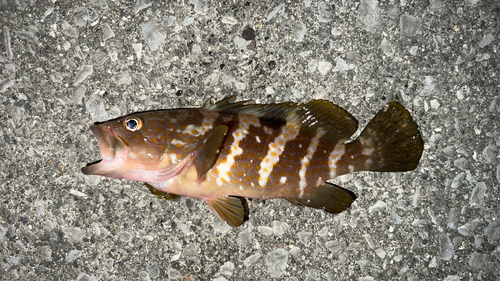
(275, 113)
(336, 123)
(317, 115)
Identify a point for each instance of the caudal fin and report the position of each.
(391, 142)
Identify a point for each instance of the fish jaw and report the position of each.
(120, 161)
(113, 152)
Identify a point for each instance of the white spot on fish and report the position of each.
(368, 164)
(176, 142)
(268, 130)
(351, 169)
(132, 155)
(257, 139)
(368, 151)
(282, 180)
(319, 181)
(366, 142)
(218, 180)
(189, 130)
(241, 187)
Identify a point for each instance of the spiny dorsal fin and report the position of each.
(275, 113)
(233, 210)
(328, 197)
(223, 105)
(336, 122)
(209, 152)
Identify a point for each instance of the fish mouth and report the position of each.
(111, 147)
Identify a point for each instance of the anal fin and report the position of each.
(233, 210)
(328, 197)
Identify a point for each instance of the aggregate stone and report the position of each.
(67, 64)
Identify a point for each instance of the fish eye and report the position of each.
(132, 124)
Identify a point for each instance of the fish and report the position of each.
(228, 151)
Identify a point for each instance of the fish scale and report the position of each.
(226, 168)
(225, 152)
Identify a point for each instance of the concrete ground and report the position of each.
(67, 64)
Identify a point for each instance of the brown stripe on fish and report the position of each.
(287, 132)
(305, 161)
(244, 170)
(335, 155)
(226, 166)
(353, 159)
(319, 171)
(358, 156)
(284, 177)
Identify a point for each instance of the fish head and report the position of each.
(135, 147)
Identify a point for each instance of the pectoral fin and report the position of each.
(209, 152)
(233, 210)
(160, 194)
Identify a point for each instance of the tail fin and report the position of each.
(391, 141)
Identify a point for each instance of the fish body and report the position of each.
(227, 151)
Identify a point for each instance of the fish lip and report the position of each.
(109, 144)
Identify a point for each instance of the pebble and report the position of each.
(251, 259)
(277, 262)
(107, 32)
(84, 73)
(73, 255)
(324, 12)
(370, 17)
(324, 67)
(152, 35)
(409, 25)
(446, 248)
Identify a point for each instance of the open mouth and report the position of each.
(117, 162)
(109, 144)
(93, 163)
